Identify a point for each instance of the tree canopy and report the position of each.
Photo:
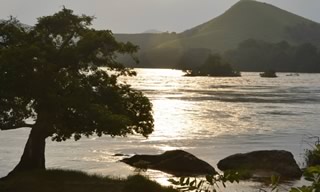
(214, 66)
(64, 75)
(255, 55)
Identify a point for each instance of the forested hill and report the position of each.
(247, 19)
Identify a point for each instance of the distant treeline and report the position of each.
(250, 55)
(304, 32)
(253, 55)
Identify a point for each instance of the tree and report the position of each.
(214, 66)
(306, 58)
(52, 73)
(255, 55)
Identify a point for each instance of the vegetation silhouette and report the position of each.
(77, 181)
(312, 156)
(213, 66)
(52, 74)
(269, 73)
(255, 55)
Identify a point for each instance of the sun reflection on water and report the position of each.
(181, 119)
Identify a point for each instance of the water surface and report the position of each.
(209, 117)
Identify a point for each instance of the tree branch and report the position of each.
(18, 126)
(65, 42)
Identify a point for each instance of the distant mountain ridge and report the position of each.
(247, 19)
(153, 31)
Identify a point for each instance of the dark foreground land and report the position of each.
(76, 181)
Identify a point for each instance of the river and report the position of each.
(206, 116)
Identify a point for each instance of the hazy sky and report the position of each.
(134, 16)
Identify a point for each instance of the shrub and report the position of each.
(312, 156)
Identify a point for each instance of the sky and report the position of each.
(136, 16)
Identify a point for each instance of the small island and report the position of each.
(214, 66)
(269, 74)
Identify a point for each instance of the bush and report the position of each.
(312, 156)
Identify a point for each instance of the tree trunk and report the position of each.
(33, 157)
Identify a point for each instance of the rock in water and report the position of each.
(176, 162)
(273, 161)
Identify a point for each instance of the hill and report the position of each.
(153, 31)
(247, 19)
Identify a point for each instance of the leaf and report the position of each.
(313, 169)
(174, 182)
(295, 190)
(200, 183)
(209, 178)
(193, 183)
(187, 181)
(192, 188)
(182, 180)
(182, 188)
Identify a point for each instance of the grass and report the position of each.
(77, 181)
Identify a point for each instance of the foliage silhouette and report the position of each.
(53, 73)
(77, 181)
(211, 183)
(269, 73)
(213, 66)
(312, 156)
(255, 55)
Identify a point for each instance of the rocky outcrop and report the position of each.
(274, 162)
(176, 162)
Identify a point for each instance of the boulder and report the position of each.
(263, 163)
(176, 162)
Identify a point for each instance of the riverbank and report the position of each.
(77, 181)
